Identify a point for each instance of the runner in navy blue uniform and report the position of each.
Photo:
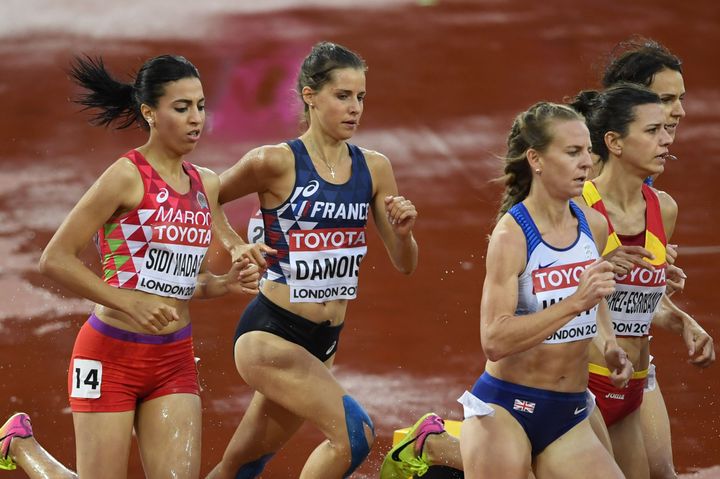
(316, 194)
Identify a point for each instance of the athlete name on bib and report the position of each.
(635, 300)
(325, 263)
(175, 254)
(553, 284)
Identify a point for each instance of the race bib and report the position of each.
(551, 285)
(635, 300)
(172, 262)
(87, 378)
(325, 263)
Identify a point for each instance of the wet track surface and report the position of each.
(444, 83)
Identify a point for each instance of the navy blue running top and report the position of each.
(319, 231)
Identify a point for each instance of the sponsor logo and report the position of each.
(578, 411)
(332, 346)
(180, 234)
(202, 201)
(326, 239)
(162, 196)
(643, 277)
(558, 277)
(310, 189)
(524, 406)
(543, 266)
(306, 191)
(618, 396)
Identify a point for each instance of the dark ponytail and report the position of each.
(118, 102)
(612, 109)
(112, 98)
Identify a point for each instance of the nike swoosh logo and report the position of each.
(543, 266)
(395, 456)
(332, 346)
(578, 411)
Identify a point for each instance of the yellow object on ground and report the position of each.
(452, 427)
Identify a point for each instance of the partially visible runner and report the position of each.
(542, 307)
(316, 193)
(627, 127)
(649, 63)
(133, 367)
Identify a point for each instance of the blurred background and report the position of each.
(445, 80)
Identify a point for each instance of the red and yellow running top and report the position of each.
(638, 292)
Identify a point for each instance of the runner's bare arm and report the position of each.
(242, 277)
(394, 215)
(256, 172)
(252, 174)
(615, 357)
(244, 274)
(699, 343)
(118, 190)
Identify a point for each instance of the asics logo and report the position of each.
(311, 188)
(162, 196)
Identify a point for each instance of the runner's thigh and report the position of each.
(494, 447)
(291, 377)
(102, 443)
(169, 432)
(577, 453)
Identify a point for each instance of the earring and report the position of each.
(538, 171)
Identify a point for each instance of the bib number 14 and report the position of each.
(87, 378)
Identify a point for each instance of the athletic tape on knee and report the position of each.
(251, 470)
(355, 419)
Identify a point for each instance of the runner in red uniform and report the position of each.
(649, 63)
(627, 126)
(151, 211)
